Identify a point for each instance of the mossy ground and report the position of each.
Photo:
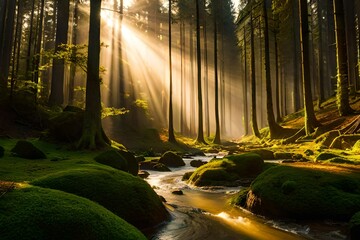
(305, 192)
(37, 213)
(77, 172)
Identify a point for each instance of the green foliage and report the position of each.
(325, 156)
(240, 198)
(112, 111)
(36, 213)
(113, 159)
(127, 196)
(72, 54)
(355, 226)
(285, 191)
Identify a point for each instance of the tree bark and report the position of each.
(93, 135)
(5, 58)
(342, 95)
(254, 124)
(171, 117)
(310, 119)
(217, 139)
(57, 82)
(275, 129)
(200, 134)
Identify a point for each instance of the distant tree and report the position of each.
(171, 117)
(7, 44)
(275, 129)
(38, 42)
(57, 83)
(342, 67)
(215, 8)
(254, 124)
(200, 134)
(93, 135)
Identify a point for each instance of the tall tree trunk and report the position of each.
(38, 44)
(296, 91)
(5, 58)
(350, 31)
(254, 124)
(275, 129)
(3, 4)
(310, 119)
(93, 135)
(28, 69)
(171, 117)
(73, 52)
(217, 139)
(57, 83)
(277, 78)
(122, 93)
(245, 87)
(206, 77)
(200, 134)
(342, 95)
(321, 96)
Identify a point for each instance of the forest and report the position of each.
(179, 119)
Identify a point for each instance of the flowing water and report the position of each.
(205, 214)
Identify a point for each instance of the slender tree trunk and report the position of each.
(275, 129)
(254, 124)
(296, 93)
(206, 77)
(342, 65)
(122, 93)
(31, 40)
(38, 44)
(73, 52)
(200, 135)
(310, 119)
(5, 58)
(171, 118)
(321, 96)
(245, 90)
(93, 134)
(217, 139)
(277, 78)
(57, 83)
(3, 4)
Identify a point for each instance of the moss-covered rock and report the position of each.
(153, 165)
(355, 226)
(113, 159)
(171, 159)
(228, 170)
(186, 176)
(36, 213)
(356, 147)
(265, 154)
(27, 150)
(283, 155)
(301, 193)
(127, 196)
(67, 126)
(197, 163)
(240, 198)
(2, 150)
(326, 156)
(132, 163)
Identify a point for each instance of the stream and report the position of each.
(201, 214)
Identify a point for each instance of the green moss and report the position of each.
(240, 198)
(325, 156)
(132, 163)
(355, 226)
(25, 149)
(113, 159)
(36, 213)
(226, 171)
(186, 176)
(127, 196)
(265, 154)
(286, 191)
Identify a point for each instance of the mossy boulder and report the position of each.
(356, 147)
(302, 193)
(154, 165)
(37, 213)
(171, 159)
(228, 171)
(132, 163)
(67, 126)
(197, 163)
(27, 150)
(326, 156)
(240, 198)
(355, 226)
(283, 155)
(113, 159)
(265, 154)
(129, 197)
(2, 150)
